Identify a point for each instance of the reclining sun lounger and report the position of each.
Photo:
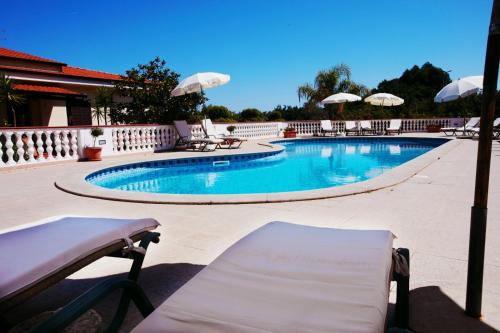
(190, 141)
(496, 129)
(394, 127)
(228, 140)
(327, 128)
(351, 127)
(292, 278)
(366, 127)
(36, 256)
(467, 128)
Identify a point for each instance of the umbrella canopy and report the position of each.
(198, 82)
(340, 98)
(384, 99)
(460, 88)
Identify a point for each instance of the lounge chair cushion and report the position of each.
(286, 278)
(31, 252)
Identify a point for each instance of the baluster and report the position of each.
(31, 148)
(143, 145)
(152, 138)
(20, 147)
(39, 146)
(48, 145)
(65, 144)
(127, 138)
(9, 152)
(119, 140)
(57, 145)
(114, 139)
(74, 144)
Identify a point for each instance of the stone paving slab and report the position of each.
(429, 213)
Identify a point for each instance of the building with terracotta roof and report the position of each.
(56, 94)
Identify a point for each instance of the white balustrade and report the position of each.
(35, 145)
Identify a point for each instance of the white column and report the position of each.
(20, 147)
(114, 134)
(48, 144)
(57, 144)
(127, 137)
(119, 140)
(39, 144)
(9, 151)
(74, 144)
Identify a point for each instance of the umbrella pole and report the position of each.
(477, 235)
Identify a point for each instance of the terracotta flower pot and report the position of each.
(433, 128)
(93, 153)
(290, 134)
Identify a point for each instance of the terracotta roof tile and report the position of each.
(45, 89)
(21, 55)
(75, 71)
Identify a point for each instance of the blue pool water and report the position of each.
(303, 165)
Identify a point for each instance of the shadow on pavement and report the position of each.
(432, 311)
(158, 282)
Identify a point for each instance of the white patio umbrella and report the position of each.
(340, 98)
(200, 81)
(384, 99)
(460, 88)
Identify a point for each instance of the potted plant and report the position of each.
(290, 132)
(94, 153)
(231, 129)
(433, 128)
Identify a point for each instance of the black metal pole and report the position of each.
(477, 235)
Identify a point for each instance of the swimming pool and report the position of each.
(303, 164)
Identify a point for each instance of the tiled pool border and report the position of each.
(77, 184)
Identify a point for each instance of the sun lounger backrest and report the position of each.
(326, 125)
(496, 123)
(349, 125)
(395, 124)
(209, 128)
(473, 122)
(365, 124)
(183, 129)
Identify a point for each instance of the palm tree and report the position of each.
(329, 82)
(10, 96)
(103, 99)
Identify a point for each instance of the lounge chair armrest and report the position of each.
(80, 305)
(402, 291)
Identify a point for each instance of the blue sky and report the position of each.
(268, 47)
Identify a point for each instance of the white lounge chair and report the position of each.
(366, 127)
(327, 128)
(187, 138)
(228, 140)
(38, 255)
(394, 127)
(292, 278)
(467, 128)
(351, 127)
(496, 127)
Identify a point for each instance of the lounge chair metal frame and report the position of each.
(466, 129)
(191, 141)
(131, 291)
(402, 313)
(353, 130)
(228, 141)
(324, 131)
(191, 144)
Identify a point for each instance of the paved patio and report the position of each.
(429, 213)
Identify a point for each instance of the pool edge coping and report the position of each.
(77, 185)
